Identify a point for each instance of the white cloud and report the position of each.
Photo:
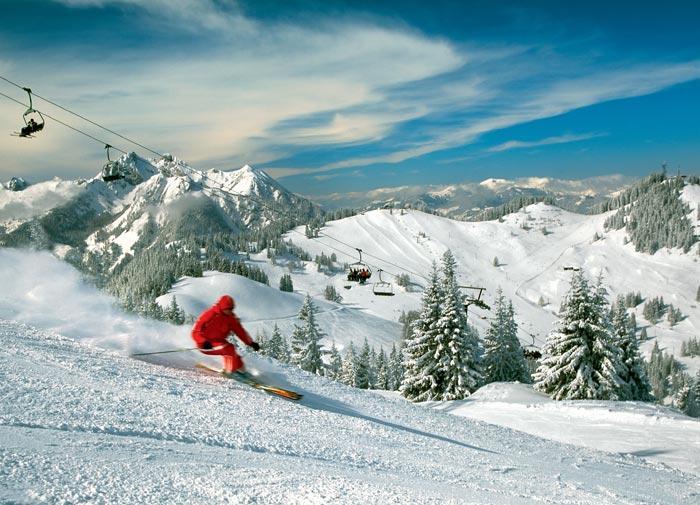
(224, 103)
(561, 139)
(554, 98)
(206, 14)
(257, 92)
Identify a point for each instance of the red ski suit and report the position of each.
(213, 326)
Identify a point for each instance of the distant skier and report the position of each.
(212, 328)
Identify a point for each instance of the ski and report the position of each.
(250, 381)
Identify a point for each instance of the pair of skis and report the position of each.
(249, 380)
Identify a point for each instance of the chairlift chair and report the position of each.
(33, 120)
(530, 351)
(110, 170)
(359, 266)
(381, 287)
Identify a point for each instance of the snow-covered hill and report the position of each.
(260, 307)
(644, 429)
(535, 248)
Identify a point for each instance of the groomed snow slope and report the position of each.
(644, 429)
(81, 424)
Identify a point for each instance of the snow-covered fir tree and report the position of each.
(440, 357)
(458, 345)
(286, 283)
(306, 351)
(363, 364)
(382, 371)
(580, 359)
(276, 347)
(394, 369)
(335, 363)
(421, 381)
(633, 373)
(503, 357)
(347, 375)
(174, 313)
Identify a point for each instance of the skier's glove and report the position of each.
(206, 346)
(255, 346)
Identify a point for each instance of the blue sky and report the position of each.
(331, 96)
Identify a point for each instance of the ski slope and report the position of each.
(82, 421)
(81, 424)
(531, 265)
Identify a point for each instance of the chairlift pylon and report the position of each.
(382, 287)
(110, 170)
(31, 125)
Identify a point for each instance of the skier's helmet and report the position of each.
(226, 303)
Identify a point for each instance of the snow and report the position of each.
(644, 429)
(260, 307)
(35, 200)
(82, 422)
(531, 265)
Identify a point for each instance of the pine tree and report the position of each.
(580, 361)
(457, 353)
(373, 357)
(306, 351)
(286, 283)
(395, 369)
(503, 357)
(693, 403)
(362, 368)
(421, 381)
(633, 373)
(347, 375)
(174, 313)
(335, 364)
(276, 347)
(382, 381)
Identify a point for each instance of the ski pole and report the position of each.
(179, 350)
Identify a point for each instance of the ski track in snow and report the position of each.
(81, 424)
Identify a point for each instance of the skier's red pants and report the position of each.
(232, 361)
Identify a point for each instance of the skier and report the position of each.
(212, 328)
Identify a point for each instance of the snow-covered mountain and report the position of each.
(164, 196)
(466, 200)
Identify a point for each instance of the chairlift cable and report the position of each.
(85, 119)
(62, 123)
(203, 173)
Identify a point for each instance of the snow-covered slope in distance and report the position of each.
(532, 264)
(261, 307)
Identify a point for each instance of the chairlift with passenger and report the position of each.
(110, 170)
(531, 351)
(33, 120)
(359, 271)
(381, 287)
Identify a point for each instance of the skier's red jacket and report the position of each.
(214, 326)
